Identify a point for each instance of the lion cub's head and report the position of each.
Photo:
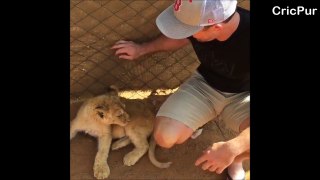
(108, 109)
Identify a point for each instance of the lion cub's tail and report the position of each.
(152, 157)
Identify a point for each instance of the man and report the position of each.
(220, 88)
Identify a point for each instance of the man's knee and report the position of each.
(164, 140)
(168, 132)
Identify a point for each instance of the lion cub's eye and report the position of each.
(100, 114)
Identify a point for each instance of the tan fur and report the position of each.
(110, 117)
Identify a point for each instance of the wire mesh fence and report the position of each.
(95, 25)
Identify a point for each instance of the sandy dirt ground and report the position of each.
(84, 147)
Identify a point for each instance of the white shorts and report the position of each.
(195, 103)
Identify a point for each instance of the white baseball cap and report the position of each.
(186, 17)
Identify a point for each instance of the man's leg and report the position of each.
(189, 108)
(168, 132)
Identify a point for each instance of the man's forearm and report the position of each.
(243, 156)
(163, 43)
(241, 143)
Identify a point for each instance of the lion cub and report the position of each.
(109, 116)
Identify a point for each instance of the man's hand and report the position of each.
(127, 50)
(217, 157)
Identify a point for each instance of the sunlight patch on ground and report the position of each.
(145, 94)
(132, 94)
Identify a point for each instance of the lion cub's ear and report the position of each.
(113, 90)
(119, 112)
(101, 109)
(123, 105)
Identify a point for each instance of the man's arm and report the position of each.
(221, 154)
(130, 50)
(241, 143)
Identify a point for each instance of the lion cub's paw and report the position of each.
(101, 171)
(130, 159)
